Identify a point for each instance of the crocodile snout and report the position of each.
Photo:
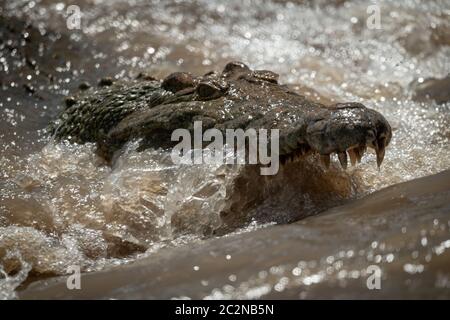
(348, 129)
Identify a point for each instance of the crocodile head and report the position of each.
(239, 97)
(148, 111)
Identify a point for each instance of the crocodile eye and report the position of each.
(211, 89)
(178, 81)
(235, 67)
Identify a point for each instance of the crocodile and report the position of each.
(149, 110)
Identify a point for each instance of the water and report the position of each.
(60, 205)
(403, 230)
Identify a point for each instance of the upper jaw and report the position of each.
(347, 130)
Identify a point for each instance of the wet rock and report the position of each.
(432, 88)
(441, 35)
(314, 258)
(422, 40)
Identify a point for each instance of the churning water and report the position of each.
(60, 205)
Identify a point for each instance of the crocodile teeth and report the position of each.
(380, 149)
(353, 157)
(343, 159)
(325, 160)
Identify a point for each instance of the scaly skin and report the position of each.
(150, 110)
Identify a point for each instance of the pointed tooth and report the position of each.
(343, 159)
(352, 154)
(380, 157)
(325, 160)
(357, 154)
(380, 151)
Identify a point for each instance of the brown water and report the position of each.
(404, 230)
(60, 206)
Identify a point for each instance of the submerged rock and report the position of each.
(403, 230)
(432, 88)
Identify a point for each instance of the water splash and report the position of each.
(63, 206)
